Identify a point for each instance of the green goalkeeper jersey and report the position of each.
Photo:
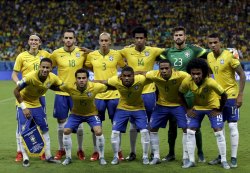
(179, 58)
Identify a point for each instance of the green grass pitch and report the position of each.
(8, 144)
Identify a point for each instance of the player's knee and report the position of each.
(132, 127)
(191, 132)
(61, 121)
(154, 130)
(67, 131)
(97, 131)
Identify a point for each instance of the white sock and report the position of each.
(115, 141)
(18, 140)
(100, 141)
(221, 143)
(145, 141)
(80, 136)
(67, 142)
(191, 144)
(154, 141)
(120, 135)
(94, 141)
(184, 145)
(60, 135)
(133, 136)
(234, 138)
(25, 155)
(47, 145)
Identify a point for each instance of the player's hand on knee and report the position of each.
(27, 113)
(215, 112)
(191, 113)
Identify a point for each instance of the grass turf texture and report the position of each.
(8, 144)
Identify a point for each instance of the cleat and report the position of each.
(19, 156)
(67, 161)
(185, 161)
(216, 161)
(26, 163)
(115, 161)
(188, 165)
(42, 157)
(225, 165)
(233, 162)
(131, 157)
(201, 158)
(95, 156)
(120, 155)
(102, 161)
(60, 154)
(80, 155)
(169, 158)
(53, 160)
(155, 161)
(145, 161)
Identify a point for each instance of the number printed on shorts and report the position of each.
(97, 118)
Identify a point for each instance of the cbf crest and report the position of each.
(78, 54)
(222, 61)
(187, 54)
(136, 87)
(174, 81)
(48, 85)
(205, 90)
(89, 94)
(111, 58)
(146, 53)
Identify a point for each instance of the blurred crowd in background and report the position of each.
(19, 18)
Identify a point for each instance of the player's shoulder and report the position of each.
(59, 50)
(23, 54)
(95, 52)
(31, 75)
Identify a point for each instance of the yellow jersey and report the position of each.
(142, 61)
(84, 102)
(67, 63)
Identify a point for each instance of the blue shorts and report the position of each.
(231, 111)
(75, 120)
(195, 122)
(139, 118)
(37, 114)
(149, 100)
(62, 106)
(43, 102)
(110, 105)
(161, 115)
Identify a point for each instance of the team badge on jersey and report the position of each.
(222, 61)
(111, 58)
(77, 54)
(187, 54)
(174, 81)
(89, 94)
(205, 90)
(146, 53)
(136, 87)
(48, 85)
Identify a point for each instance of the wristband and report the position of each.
(22, 105)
